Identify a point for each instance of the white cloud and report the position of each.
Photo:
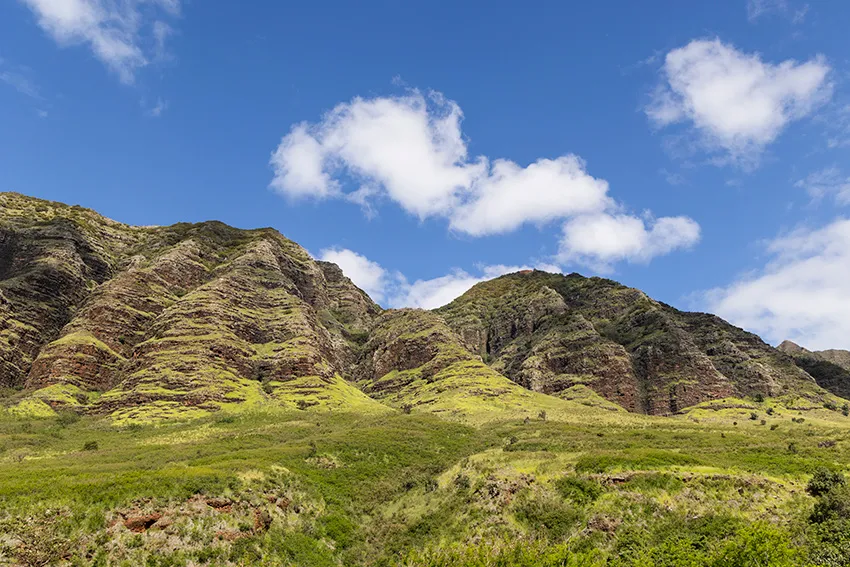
(392, 289)
(758, 8)
(157, 110)
(737, 103)
(801, 294)
(545, 190)
(366, 274)
(410, 150)
(600, 240)
(827, 182)
(436, 292)
(18, 78)
(115, 31)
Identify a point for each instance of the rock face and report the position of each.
(413, 361)
(164, 319)
(153, 322)
(551, 332)
(829, 368)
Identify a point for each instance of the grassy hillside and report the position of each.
(722, 485)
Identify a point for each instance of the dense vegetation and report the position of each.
(713, 487)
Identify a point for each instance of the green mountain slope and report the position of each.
(550, 332)
(153, 323)
(170, 321)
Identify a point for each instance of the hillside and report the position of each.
(184, 319)
(200, 395)
(829, 368)
(151, 323)
(550, 332)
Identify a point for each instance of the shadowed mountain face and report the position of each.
(829, 368)
(549, 332)
(153, 322)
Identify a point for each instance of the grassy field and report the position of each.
(728, 484)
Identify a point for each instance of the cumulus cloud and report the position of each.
(116, 32)
(600, 240)
(366, 274)
(411, 150)
(800, 294)
(392, 289)
(736, 102)
(827, 182)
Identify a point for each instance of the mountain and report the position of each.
(550, 332)
(154, 321)
(146, 323)
(201, 395)
(829, 368)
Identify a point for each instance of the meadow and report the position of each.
(729, 483)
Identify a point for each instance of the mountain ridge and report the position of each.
(155, 322)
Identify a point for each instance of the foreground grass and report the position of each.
(302, 488)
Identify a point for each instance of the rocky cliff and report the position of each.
(153, 322)
(829, 368)
(550, 332)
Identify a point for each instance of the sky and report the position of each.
(695, 150)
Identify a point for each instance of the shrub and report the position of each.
(774, 426)
(823, 481)
(754, 416)
(833, 505)
(579, 490)
(759, 397)
(845, 410)
(770, 411)
(759, 544)
(830, 405)
(554, 518)
(66, 418)
(90, 446)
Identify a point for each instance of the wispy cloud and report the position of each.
(19, 78)
(156, 110)
(119, 33)
(757, 9)
(827, 182)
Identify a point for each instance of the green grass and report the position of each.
(392, 488)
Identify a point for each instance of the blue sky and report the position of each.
(695, 150)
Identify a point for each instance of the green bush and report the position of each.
(760, 544)
(90, 446)
(554, 518)
(579, 490)
(823, 481)
(832, 505)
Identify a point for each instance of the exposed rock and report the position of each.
(142, 522)
(830, 368)
(183, 320)
(551, 332)
(165, 319)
